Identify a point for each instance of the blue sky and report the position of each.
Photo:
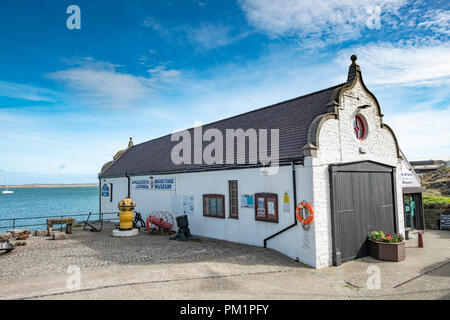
(69, 99)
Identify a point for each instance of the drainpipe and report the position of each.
(126, 175)
(294, 187)
(100, 216)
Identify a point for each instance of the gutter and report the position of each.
(99, 195)
(210, 168)
(294, 184)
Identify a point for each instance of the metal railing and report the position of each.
(34, 222)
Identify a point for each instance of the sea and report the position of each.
(32, 203)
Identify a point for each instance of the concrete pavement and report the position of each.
(253, 273)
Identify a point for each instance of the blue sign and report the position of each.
(105, 190)
(141, 184)
(166, 184)
(247, 201)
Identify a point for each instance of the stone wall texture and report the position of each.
(339, 144)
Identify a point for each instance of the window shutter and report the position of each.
(233, 198)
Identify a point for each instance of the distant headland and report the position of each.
(49, 186)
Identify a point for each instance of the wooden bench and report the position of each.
(67, 221)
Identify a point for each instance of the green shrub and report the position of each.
(436, 202)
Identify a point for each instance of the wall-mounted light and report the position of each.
(364, 107)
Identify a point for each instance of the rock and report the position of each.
(59, 236)
(22, 237)
(40, 233)
(18, 232)
(20, 243)
(5, 236)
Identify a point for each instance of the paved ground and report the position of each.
(152, 267)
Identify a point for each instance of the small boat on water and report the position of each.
(6, 191)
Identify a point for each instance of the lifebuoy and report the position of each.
(303, 205)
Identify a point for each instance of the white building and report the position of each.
(335, 153)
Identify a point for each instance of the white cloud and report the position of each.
(422, 134)
(161, 72)
(324, 21)
(211, 36)
(152, 23)
(437, 21)
(26, 92)
(402, 63)
(104, 84)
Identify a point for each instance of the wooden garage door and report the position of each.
(362, 201)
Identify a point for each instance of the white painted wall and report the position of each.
(294, 243)
(338, 144)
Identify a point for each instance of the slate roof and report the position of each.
(292, 118)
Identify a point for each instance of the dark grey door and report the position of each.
(362, 201)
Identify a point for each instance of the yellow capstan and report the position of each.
(126, 207)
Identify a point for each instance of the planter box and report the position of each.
(387, 251)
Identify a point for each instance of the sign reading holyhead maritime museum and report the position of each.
(165, 184)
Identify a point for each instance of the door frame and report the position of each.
(418, 200)
(359, 166)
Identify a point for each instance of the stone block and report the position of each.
(40, 233)
(59, 236)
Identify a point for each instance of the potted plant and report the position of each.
(388, 247)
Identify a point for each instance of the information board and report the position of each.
(445, 221)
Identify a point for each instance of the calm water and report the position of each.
(39, 202)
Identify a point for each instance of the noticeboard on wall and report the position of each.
(445, 221)
(182, 205)
(247, 201)
(266, 207)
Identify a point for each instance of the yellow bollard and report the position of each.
(126, 207)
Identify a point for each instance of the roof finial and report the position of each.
(130, 143)
(352, 70)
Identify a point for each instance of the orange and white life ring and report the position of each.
(304, 205)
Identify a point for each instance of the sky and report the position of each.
(71, 98)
